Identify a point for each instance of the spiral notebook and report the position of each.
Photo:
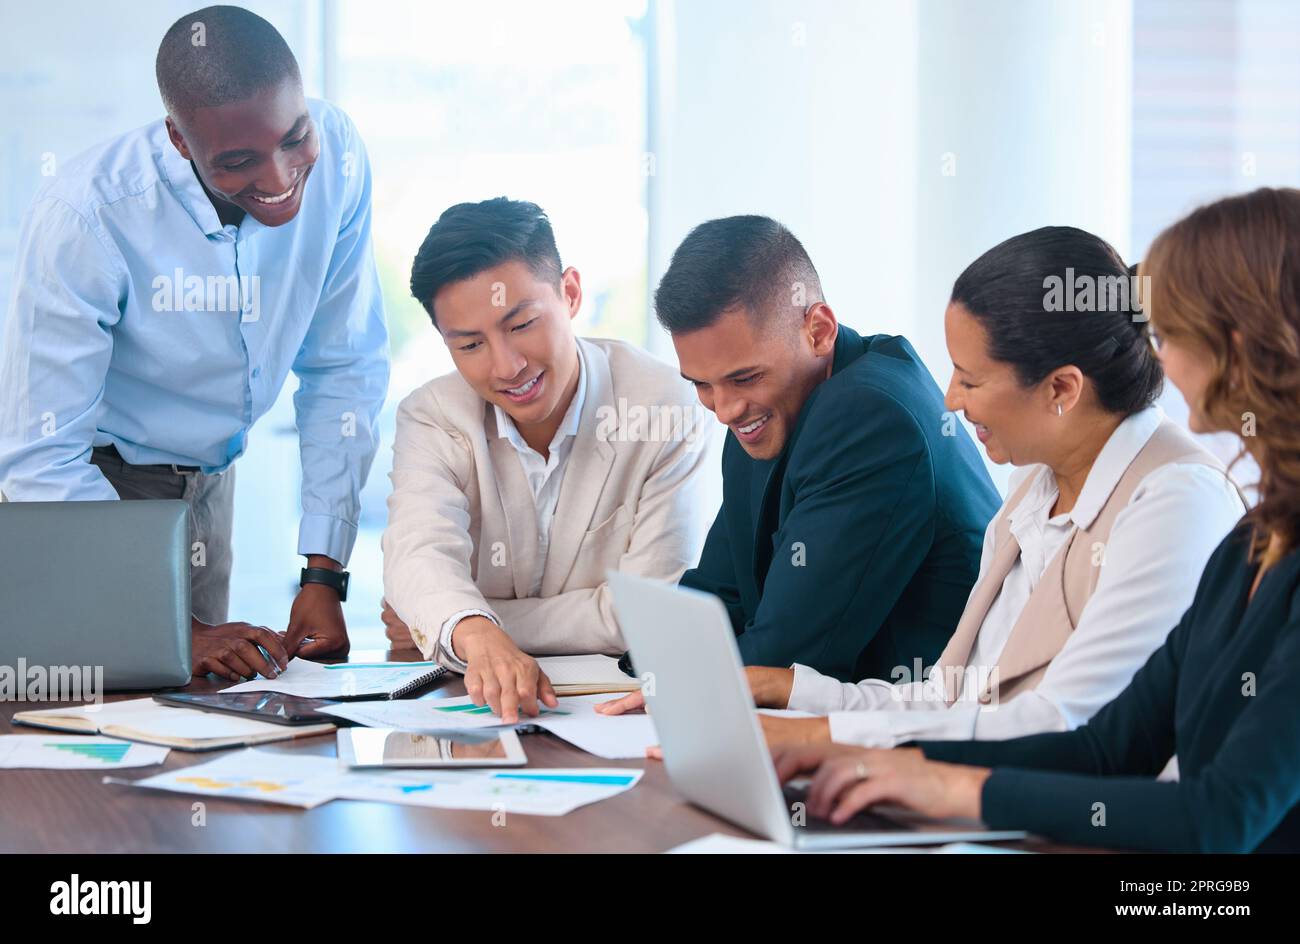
(346, 681)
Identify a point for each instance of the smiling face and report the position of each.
(254, 154)
(1014, 423)
(754, 380)
(510, 335)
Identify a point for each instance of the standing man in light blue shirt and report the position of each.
(166, 284)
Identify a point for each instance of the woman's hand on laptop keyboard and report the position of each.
(848, 779)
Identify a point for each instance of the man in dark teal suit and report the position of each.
(854, 506)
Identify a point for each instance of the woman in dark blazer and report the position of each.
(1222, 695)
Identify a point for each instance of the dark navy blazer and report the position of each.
(854, 550)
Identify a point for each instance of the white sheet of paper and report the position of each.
(307, 780)
(293, 779)
(313, 680)
(425, 714)
(74, 752)
(526, 791)
(614, 737)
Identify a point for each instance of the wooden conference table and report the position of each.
(73, 811)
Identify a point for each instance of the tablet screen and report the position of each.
(385, 747)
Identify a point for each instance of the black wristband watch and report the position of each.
(337, 580)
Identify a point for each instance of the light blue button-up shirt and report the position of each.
(139, 320)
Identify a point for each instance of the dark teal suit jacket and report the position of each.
(853, 551)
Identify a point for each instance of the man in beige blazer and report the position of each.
(542, 462)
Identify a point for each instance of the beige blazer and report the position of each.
(462, 524)
(1054, 608)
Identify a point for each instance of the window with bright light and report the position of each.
(463, 102)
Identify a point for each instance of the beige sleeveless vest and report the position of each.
(1056, 603)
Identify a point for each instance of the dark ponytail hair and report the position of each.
(1023, 292)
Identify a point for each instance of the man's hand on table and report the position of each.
(398, 633)
(316, 626)
(231, 651)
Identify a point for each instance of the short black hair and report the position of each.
(749, 261)
(470, 238)
(218, 55)
(1007, 291)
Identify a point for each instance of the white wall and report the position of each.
(803, 111)
(1026, 118)
(846, 121)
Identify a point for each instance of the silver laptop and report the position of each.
(97, 584)
(713, 747)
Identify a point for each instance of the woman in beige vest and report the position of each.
(1085, 567)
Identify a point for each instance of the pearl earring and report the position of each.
(1059, 411)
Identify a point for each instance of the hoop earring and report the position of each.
(1059, 410)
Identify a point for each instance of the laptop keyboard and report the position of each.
(862, 822)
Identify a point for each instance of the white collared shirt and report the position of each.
(545, 476)
(1158, 547)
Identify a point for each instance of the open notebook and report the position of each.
(587, 675)
(146, 721)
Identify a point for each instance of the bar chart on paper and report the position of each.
(108, 753)
(73, 753)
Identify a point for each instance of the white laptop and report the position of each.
(713, 748)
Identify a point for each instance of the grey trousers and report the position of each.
(212, 509)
